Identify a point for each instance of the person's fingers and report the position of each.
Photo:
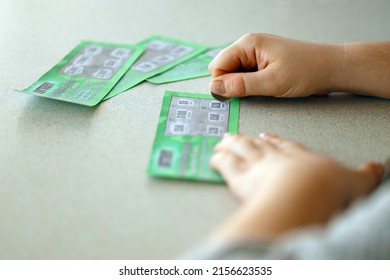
(242, 146)
(246, 54)
(367, 177)
(244, 69)
(229, 165)
(236, 57)
(281, 142)
(244, 84)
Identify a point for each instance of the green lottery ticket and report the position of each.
(87, 73)
(189, 127)
(160, 54)
(193, 68)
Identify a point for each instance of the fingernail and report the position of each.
(217, 86)
(380, 171)
(267, 135)
(220, 98)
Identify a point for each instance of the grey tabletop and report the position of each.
(73, 182)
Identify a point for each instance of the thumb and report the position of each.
(369, 175)
(243, 84)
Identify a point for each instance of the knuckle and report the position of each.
(250, 36)
(211, 67)
(237, 86)
(254, 38)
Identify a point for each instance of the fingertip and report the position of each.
(372, 172)
(365, 178)
(379, 171)
(214, 159)
(265, 135)
(223, 143)
(217, 147)
(226, 163)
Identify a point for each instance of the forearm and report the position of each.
(363, 68)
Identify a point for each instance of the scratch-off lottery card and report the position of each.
(193, 68)
(189, 127)
(87, 73)
(161, 53)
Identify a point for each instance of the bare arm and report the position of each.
(365, 69)
(268, 65)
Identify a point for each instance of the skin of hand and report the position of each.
(284, 186)
(269, 65)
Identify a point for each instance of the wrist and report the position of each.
(361, 68)
(334, 60)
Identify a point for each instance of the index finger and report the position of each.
(240, 56)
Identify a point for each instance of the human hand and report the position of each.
(268, 65)
(284, 186)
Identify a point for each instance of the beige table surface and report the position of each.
(72, 179)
